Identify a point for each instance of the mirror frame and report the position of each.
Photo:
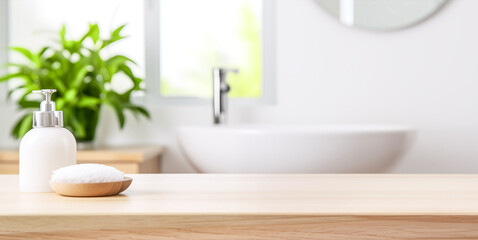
(410, 25)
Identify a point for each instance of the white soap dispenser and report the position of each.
(47, 147)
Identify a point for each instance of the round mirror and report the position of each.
(381, 15)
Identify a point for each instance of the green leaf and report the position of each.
(28, 54)
(16, 127)
(127, 70)
(25, 103)
(62, 35)
(17, 65)
(10, 76)
(140, 110)
(117, 32)
(25, 126)
(115, 36)
(113, 64)
(78, 127)
(126, 95)
(70, 95)
(79, 77)
(118, 60)
(119, 112)
(60, 103)
(28, 104)
(12, 90)
(22, 126)
(24, 72)
(59, 85)
(94, 32)
(90, 102)
(42, 51)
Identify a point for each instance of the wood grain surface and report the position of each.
(105, 154)
(128, 159)
(216, 206)
(257, 227)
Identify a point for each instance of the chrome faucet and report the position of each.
(220, 90)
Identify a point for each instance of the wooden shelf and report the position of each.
(253, 206)
(129, 159)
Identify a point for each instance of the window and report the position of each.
(208, 34)
(186, 39)
(175, 43)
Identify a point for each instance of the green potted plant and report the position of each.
(82, 76)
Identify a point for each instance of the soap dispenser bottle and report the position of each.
(46, 147)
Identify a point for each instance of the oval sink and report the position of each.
(294, 148)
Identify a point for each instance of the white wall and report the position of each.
(425, 76)
(3, 41)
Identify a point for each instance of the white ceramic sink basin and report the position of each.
(294, 148)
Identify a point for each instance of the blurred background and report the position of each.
(301, 62)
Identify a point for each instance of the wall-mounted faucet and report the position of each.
(220, 90)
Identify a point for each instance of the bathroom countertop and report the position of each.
(253, 206)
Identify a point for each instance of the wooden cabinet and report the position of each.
(128, 159)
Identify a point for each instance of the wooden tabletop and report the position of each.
(179, 203)
(261, 194)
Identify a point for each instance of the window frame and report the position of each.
(153, 68)
(3, 46)
(152, 54)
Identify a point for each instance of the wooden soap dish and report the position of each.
(91, 189)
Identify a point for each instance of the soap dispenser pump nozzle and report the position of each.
(47, 116)
(47, 104)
